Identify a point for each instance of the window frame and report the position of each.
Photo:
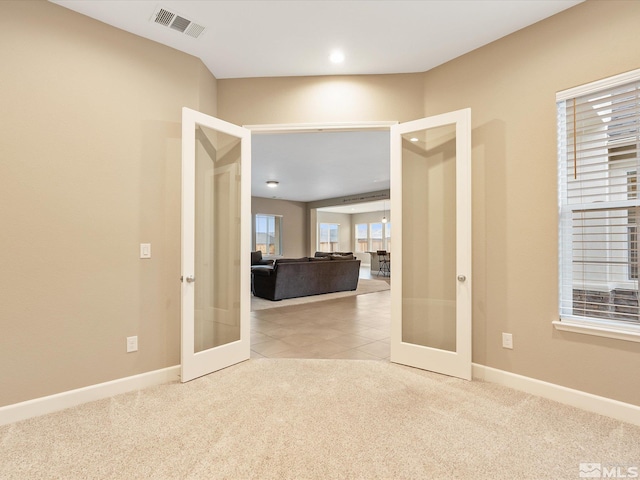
(278, 243)
(591, 325)
(380, 239)
(356, 238)
(385, 239)
(319, 237)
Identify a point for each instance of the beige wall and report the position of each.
(89, 169)
(295, 226)
(255, 101)
(510, 86)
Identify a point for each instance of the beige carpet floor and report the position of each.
(365, 286)
(317, 419)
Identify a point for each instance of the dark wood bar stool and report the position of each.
(384, 263)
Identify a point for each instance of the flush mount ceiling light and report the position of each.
(336, 56)
(413, 139)
(272, 183)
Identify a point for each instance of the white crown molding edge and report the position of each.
(60, 401)
(608, 407)
(319, 127)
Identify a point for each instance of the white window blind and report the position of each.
(598, 145)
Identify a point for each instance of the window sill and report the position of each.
(630, 333)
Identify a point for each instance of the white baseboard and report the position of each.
(586, 401)
(625, 412)
(60, 401)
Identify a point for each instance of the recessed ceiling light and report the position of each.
(272, 183)
(413, 139)
(336, 56)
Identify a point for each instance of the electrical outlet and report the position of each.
(507, 340)
(132, 344)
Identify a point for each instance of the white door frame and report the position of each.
(455, 363)
(319, 127)
(463, 145)
(195, 364)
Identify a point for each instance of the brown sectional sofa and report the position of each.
(301, 277)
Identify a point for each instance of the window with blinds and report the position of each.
(598, 144)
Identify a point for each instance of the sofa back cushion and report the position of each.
(280, 261)
(342, 257)
(333, 254)
(256, 257)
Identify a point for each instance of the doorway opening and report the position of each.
(332, 196)
(430, 169)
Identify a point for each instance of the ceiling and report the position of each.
(314, 166)
(265, 38)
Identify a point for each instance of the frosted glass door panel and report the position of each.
(429, 238)
(217, 239)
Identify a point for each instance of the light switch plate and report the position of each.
(132, 344)
(145, 250)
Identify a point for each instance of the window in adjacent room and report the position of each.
(268, 234)
(362, 237)
(328, 237)
(376, 236)
(373, 236)
(598, 145)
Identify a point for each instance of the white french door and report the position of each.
(216, 213)
(431, 260)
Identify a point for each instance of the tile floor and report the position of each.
(351, 327)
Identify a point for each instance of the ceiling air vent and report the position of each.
(163, 17)
(172, 20)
